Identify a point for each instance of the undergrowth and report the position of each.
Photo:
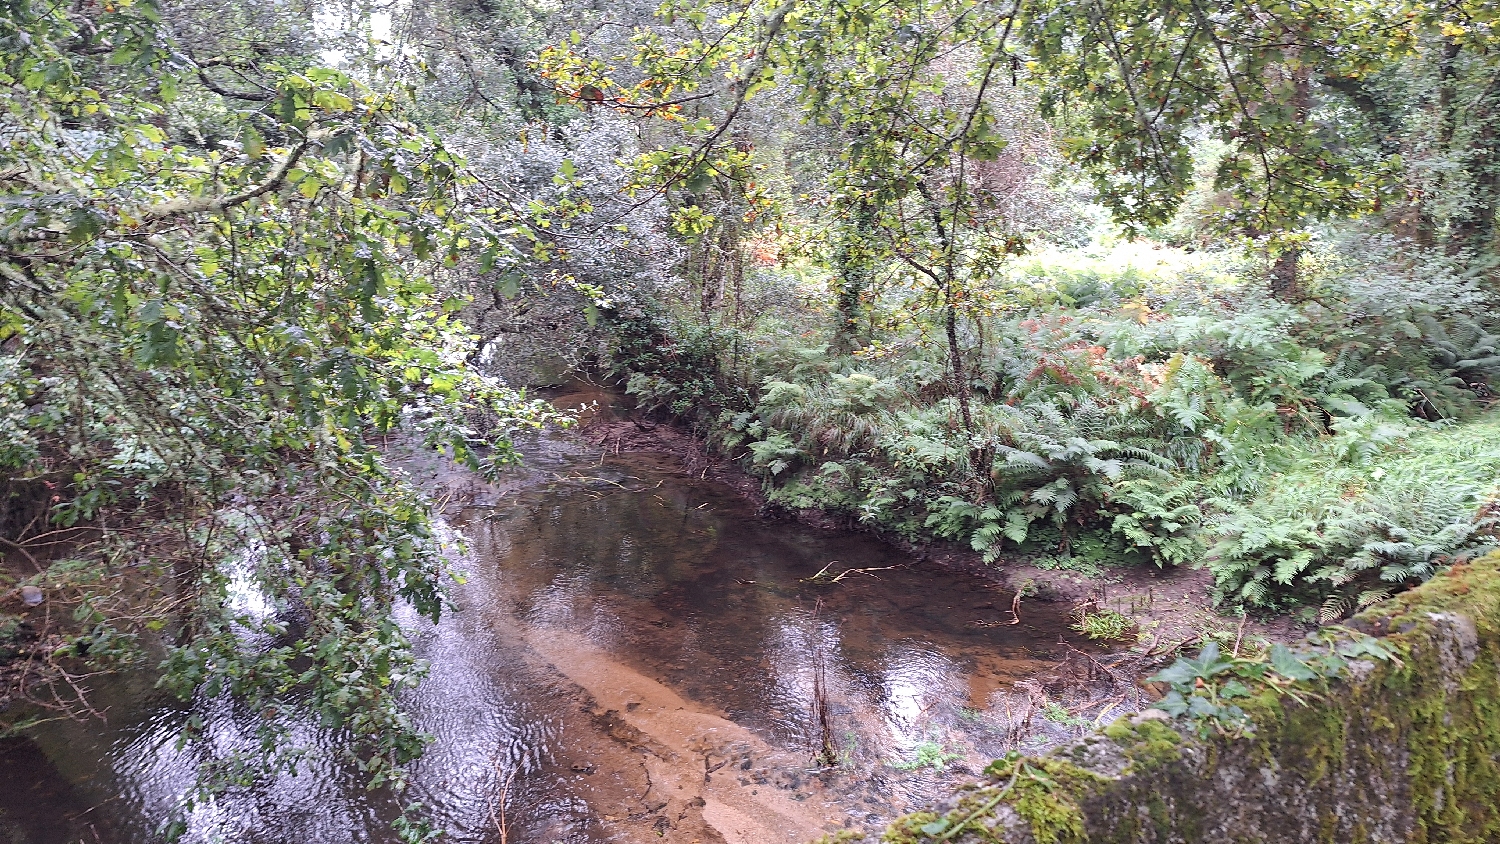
(1315, 458)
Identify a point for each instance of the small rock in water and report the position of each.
(31, 596)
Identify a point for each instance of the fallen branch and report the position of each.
(498, 817)
(22, 550)
(823, 577)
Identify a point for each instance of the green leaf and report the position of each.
(699, 180)
(1202, 707)
(255, 145)
(1234, 688)
(1173, 704)
(1288, 665)
(1179, 673)
(338, 144)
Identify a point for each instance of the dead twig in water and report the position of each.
(1113, 674)
(1108, 705)
(498, 817)
(827, 755)
(623, 487)
(824, 577)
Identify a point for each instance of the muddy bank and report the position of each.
(1171, 608)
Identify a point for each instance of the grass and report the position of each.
(1059, 714)
(928, 754)
(1104, 626)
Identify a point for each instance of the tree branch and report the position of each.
(216, 204)
(253, 96)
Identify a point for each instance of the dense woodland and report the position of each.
(1205, 283)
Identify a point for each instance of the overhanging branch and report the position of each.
(216, 204)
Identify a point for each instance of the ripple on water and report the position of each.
(672, 578)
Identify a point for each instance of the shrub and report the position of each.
(1346, 528)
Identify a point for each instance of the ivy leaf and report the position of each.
(1209, 663)
(1179, 673)
(1202, 707)
(1173, 704)
(1288, 665)
(1234, 688)
(937, 827)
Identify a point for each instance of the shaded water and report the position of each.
(634, 658)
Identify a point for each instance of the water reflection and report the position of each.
(591, 574)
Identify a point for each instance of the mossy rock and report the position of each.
(1401, 751)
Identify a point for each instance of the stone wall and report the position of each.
(1404, 750)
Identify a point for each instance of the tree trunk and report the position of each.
(1286, 282)
(853, 263)
(955, 358)
(1475, 231)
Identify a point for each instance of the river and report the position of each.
(637, 656)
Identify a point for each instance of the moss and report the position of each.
(1148, 744)
(1161, 818)
(1452, 721)
(1409, 750)
(1312, 739)
(908, 828)
(1053, 819)
(1044, 793)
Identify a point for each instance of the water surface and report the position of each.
(636, 657)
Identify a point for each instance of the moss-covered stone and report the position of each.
(1147, 743)
(1400, 751)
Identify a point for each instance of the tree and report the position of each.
(1298, 92)
(905, 86)
(205, 336)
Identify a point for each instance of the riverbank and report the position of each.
(1386, 730)
(1168, 608)
(640, 649)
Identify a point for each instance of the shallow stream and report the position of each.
(637, 656)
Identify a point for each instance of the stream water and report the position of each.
(637, 656)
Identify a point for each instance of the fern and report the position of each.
(1352, 524)
(776, 453)
(1159, 518)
